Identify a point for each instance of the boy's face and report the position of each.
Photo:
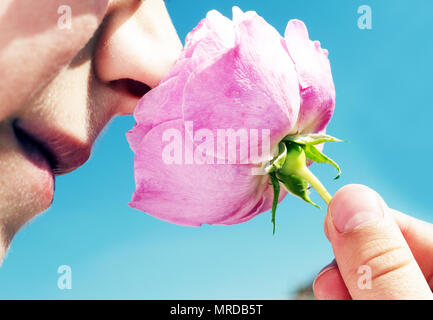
(60, 87)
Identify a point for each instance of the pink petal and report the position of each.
(315, 78)
(212, 35)
(161, 104)
(194, 194)
(239, 16)
(246, 87)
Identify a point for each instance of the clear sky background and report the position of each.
(384, 84)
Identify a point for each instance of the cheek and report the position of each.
(36, 43)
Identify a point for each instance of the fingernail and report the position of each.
(325, 269)
(328, 267)
(355, 206)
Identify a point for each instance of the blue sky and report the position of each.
(384, 87)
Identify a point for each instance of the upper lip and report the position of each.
(63, 152)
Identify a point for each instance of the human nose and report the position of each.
(137, 47)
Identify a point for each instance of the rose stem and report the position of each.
(305, 173)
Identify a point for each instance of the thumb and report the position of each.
(373, 257)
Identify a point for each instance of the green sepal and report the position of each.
(276, 187)
(311, 138)
(279, 160)
(297, 186)
(312, 153)
(290, 167)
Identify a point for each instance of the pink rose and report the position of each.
(239, 75)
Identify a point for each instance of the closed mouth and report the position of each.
(62, 152)
(34, 148)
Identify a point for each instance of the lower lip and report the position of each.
(40, 173)
(43, 174)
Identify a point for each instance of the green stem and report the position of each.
(305, 173)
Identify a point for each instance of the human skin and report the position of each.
(62, 86)
(365, 232)
(67, 84)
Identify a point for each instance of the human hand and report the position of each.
(380, 253)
